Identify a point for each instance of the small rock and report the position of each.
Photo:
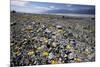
(70, 34)
(48, 46)
(33, 22)
(59, 27)
(50, 56)
(54, 44)
(13, 24)
(47, 31)
(71, 55)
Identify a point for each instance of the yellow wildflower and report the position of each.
(60, 31)
(45, 53)
(30, 53)
(65, 55)
(68, 46)
(77, 59)
(17, 53)
(45, 40)
(53, 62)
(39, 48)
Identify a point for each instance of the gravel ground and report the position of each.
(50, 39)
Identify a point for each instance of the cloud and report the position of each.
(52, 7)
(18, 3)
(40, 7)
(28, 10)
(27, 6)
(24, 6)
(33, 7)
(69, 5)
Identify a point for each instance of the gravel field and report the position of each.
(37, 39)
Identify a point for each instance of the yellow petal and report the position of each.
(77, 59)
(53, 62)
(68, 46)
(30, 52)
(45, 53)
(45, 40)
(65, 55)
(60, 30)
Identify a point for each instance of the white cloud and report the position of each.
(52, 7)
(44, 7)
(69, 5)
(40, 8)
(28, 10)
(24, 6)
(18, 3)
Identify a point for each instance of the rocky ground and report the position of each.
(51, 39)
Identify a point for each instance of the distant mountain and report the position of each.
(77, 11)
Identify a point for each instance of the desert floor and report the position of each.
(37, 39)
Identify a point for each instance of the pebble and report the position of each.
(48, 46)
(71, 55)
(50, 56)
(73, 42)
(70, 34)
(59, 27)
(13, 24)
(54, 44)
(33, 22)
(47, 31)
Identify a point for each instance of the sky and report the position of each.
(43, 7)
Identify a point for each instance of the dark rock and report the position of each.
(70, 34)
(13, 24)
(48, 46)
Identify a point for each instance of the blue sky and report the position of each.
(42, 7)
(33, 7)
